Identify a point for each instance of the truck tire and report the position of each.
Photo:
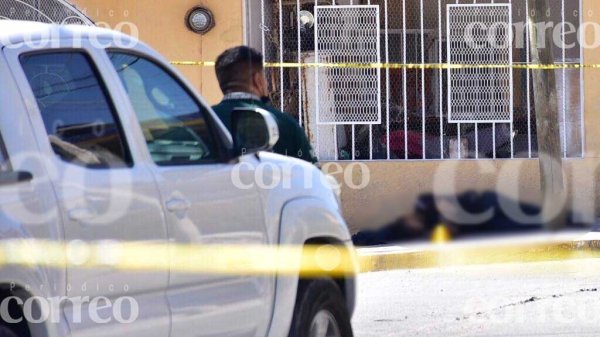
(320, 311)
(20, 329)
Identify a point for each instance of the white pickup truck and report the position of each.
(103, 141)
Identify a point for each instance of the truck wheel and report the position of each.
(320, 311)
(20, 329)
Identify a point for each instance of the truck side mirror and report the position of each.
(254, 130)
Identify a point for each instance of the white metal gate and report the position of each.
(417, 121)
(479, 95)
(347, 35)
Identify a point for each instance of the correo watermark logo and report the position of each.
(289, 175)
(100, 309)
(75, 37)
(565, 35)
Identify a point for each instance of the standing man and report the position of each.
(242, 79)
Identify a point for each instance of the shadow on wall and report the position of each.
(469, 214)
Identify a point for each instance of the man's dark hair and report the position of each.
(236, 66)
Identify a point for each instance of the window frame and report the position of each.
(6, 156)
(129, 161)
(223, 153)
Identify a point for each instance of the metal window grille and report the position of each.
(479, 34)
(47, 11)
(414, 102)
(347, 35)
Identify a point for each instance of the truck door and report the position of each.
(106, 191)
(27, 200)
(202, 203)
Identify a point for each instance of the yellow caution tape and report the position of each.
(194, 63)
(309, 261)
(479, 254)
(306, 261)
(406, 65)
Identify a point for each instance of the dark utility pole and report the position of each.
(546, 111)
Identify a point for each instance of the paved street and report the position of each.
(538, 299)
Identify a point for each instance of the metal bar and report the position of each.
(81, 15)
(512, 112)
(494, 131)
(353, 143)
(371, 125)
(405, 103)
(316, 121)
(564, 81)
(262, 28)
(281, 55)
(459, 140)
(370, 142)
(299, 56)
(353, 139)
(494, 138)
(478, 89)
(528, 74)
(387, 80)
(476, 124)
(335, 142)
(448, 61)
(422, 83)
(581, 91)
(441, 81)
(476, 141)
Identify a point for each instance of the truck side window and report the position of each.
(173, 123)
(79, 117)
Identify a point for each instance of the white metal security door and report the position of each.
(347, 35)
(479, 35)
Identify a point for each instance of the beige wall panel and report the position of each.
(394, 186)
(591, 14)
(161, 24)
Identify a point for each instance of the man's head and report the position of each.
(241, 69)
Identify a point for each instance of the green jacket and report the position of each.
(292, 138)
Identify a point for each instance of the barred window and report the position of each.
(413, 83)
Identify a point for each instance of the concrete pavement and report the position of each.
(520, 299)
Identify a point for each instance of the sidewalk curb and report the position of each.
(483, 253)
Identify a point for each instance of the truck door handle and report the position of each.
(178, 205)
(81, 214)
